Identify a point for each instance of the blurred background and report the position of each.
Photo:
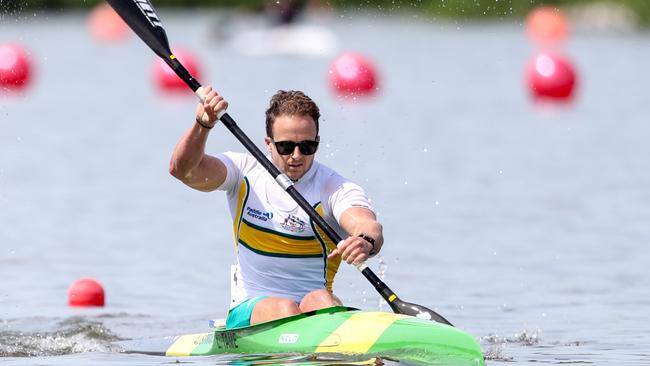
(503, 143)
(637, 9)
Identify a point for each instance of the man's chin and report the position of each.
(294, 176)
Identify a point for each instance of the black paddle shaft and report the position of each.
(141, 17)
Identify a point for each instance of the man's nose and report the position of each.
(296, 152)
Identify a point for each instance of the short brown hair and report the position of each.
(290, 103)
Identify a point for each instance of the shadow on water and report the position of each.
(313, 360)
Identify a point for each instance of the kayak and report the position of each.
(336, 330)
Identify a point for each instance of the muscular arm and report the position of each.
(356, 221)
(192, 166)
(189, 162)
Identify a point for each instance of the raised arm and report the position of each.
(189, 162)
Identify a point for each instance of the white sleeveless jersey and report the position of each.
(280, 251)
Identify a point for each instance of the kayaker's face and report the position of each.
(294, 129)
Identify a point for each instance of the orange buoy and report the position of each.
(105, 24)
(15, 67)
(546, 24)
(166, 79)
(551, 76)
(352, 74)
(86, 292)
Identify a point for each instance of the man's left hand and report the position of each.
(353, 250)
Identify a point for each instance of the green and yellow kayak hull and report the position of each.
(340, 330)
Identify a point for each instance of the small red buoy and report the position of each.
(546, 24)
(85, 292)
(551, 76)
(106, 25)
(352, 74)
(166, 78)
(15, 67)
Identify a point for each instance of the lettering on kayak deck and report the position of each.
(288, 338)
(226, 339)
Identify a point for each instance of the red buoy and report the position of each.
(105, 24)
(352, 74)
(85, 292)
(551, 76)
(166, 79)
(15, 67)
(547, 24)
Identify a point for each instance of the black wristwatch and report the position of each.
(370, 240)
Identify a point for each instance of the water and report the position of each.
(523, 225)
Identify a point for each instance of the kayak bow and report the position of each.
(338, 330)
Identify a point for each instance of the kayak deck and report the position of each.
(337, 330)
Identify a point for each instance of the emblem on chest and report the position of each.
(294, 224)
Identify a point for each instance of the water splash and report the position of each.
(496, 353)
(381, 273)
(74, 335)
(495, 350)
(524, 338)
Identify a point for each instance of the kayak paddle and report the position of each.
(141, 16)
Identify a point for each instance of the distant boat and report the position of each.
(286, 39)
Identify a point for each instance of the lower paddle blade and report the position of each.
(418, 311)
(395, 303)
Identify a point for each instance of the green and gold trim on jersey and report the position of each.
(243, 194)
(331, 266)
(272, 243)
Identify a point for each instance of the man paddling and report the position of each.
(286, 265)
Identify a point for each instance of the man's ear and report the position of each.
(268, 141)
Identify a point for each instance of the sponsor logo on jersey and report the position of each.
(259, 214)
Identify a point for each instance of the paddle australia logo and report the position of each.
(259, 214)
(288, 338)
(294, 224)
(147, 9)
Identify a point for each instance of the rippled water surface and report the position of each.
(526, 226)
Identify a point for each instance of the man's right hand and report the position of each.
(208, 112)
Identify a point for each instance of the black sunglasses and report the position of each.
(307, 147)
